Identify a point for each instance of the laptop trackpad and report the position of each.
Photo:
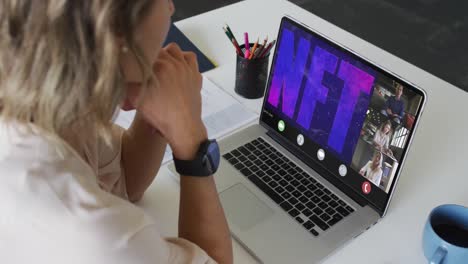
(243, 208)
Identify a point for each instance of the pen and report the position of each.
(252, 53)
(246, 41)
(265, 51)
(247, 54)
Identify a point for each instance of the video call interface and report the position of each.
(325, 99)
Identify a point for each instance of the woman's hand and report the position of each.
(172, 105)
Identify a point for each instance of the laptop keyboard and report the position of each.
(306, 200)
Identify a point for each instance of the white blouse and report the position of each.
(381, 139)
(375, 176)
(59, 208)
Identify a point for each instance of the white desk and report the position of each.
(435, 169)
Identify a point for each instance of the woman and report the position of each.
(68, 174)
(373, 169)
(382, 137)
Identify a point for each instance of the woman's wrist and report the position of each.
(142, 128)
(186, 147)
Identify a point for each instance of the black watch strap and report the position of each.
(204, 164)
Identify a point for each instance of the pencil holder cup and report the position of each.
(251, 75)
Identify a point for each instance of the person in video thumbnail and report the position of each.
(373, 169)
(395, 107)
(382, 137)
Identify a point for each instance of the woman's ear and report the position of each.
(171, 7)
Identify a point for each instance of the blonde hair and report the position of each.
(376, 154)
(382, 126)
(59, 60)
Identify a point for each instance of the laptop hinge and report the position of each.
(319, 169)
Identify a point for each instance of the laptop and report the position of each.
(322, 164)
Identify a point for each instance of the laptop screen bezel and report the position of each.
(375, 67)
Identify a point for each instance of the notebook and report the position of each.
(175, 35)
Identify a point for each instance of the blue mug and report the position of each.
(445, 238)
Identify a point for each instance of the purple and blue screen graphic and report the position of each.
(321, 90)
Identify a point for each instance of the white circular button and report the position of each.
(343, 170)
(300, 140)
(321, 154)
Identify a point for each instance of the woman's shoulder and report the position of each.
(379, 133)
(367, 165)
(34, 157)
(30, 146)
(62, 188)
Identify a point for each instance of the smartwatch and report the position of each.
(205, 163)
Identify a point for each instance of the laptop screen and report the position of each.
(344, 113)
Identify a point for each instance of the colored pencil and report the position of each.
(252, 53)
(230, 31)
(268, 48)
(260, 49)
(234, 42)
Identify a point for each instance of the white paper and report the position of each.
(221, 114)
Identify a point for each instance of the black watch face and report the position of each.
(213, 155)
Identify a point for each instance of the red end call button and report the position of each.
(366, 187)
